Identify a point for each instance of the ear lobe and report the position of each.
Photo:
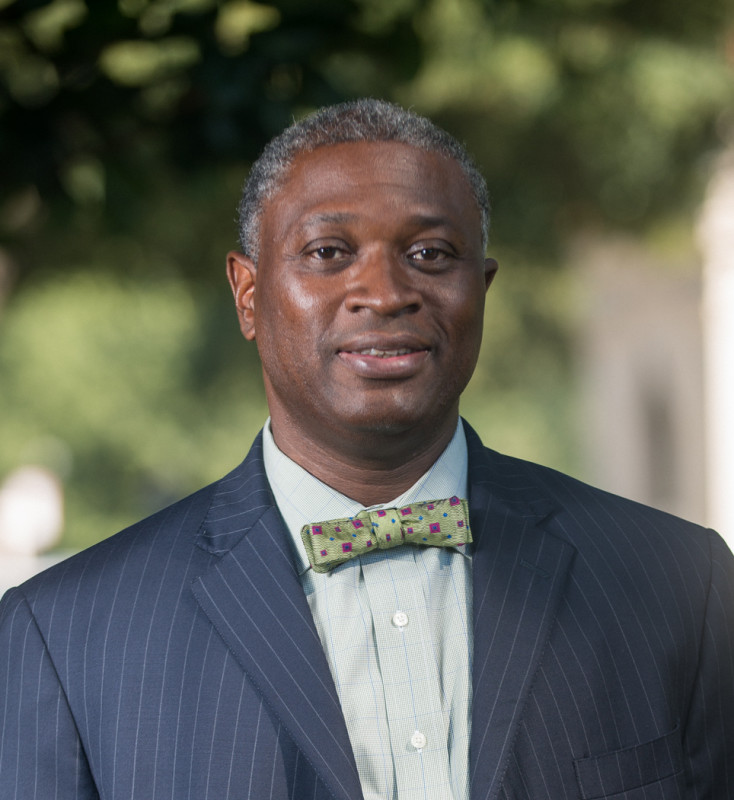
(490, 270)
(241, 274)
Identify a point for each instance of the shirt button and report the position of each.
(418, 740)
(400, 619)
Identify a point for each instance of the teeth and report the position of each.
(384, 353)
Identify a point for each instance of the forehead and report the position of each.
(372, 179)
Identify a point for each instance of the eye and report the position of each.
(327, 253)
(427, 254)
(431, 255)
(323, 252)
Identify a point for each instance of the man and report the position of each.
(269, 638)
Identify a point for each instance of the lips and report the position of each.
(381, 357)
(384, 343)
(373, 351)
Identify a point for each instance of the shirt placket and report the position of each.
(416, 714)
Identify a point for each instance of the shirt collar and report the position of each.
(303, 498)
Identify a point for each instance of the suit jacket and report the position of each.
(179, 659)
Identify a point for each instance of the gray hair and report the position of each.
(365, 120)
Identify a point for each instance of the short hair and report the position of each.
(364, 120)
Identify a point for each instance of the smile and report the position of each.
(384, 363)
(373, 351)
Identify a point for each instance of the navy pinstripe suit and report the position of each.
(179, 659)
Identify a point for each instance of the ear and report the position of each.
(490, 270)
(241, 274)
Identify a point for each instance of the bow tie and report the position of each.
(438, 523)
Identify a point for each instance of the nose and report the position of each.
(379, 282)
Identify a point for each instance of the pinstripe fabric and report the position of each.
(174, 661)
(607, 639)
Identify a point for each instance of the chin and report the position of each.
(400, 418)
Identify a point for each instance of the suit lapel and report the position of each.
(253, 597)
(519, 574)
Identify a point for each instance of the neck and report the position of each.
(370, 468)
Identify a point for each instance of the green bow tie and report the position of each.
(441, 523)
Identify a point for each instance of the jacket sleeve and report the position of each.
(41, 754)
(709, 727)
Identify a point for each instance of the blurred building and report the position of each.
(657, 365)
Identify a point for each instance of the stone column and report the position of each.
(716, 238)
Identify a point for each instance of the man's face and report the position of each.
(367, 300)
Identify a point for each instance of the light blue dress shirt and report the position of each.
(396, 629)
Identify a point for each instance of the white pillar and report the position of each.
(31, 521)
(716, 236)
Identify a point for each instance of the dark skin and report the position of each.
(367, 306)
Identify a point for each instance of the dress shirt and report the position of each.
(395, 626)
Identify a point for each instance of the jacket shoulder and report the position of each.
(585, 515)
(168, 534)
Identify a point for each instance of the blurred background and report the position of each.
(605, 129)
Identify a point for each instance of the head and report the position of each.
(362, 280)
(364, 120)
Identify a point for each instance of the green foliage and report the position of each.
(124, 388)
(586, 113)
(521, 399)
(582, 112)
(100, 97)
(126, 130)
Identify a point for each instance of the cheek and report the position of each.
(279, 304)
(466, 344)
(465, 314)
(289, 320)
(293, 303)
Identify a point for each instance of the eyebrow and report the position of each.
(337, 218)
(418, 220)
(429, 221)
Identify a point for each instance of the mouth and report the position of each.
(385, 360)
(373, 351)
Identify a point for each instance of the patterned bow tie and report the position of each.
(441, 523)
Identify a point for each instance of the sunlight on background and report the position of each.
(127, 133)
